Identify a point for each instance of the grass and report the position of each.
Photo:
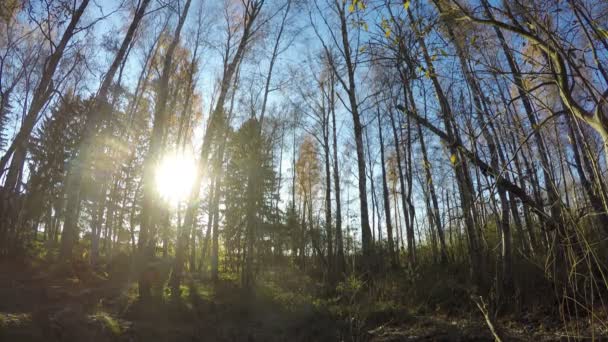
(286, 304)
(108, 322)
(13, 319)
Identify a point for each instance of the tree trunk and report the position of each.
(366, 234)
(150, 200)
(385, 193)
(404, 206)
(340, 261)
(435, 215)
(82, 161)
(41, 95)
(477, 269)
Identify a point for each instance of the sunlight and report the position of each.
(175, 176)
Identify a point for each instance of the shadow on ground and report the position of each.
(45, 303)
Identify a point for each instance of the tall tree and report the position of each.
(349, 57)
(215, 125)
(42, 94)
(385, 196)
(99, 112)
(149, 213)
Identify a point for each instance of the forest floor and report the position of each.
(42, 304)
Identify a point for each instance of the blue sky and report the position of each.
(304, 48)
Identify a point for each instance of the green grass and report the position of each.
(108, 322)
(8, 319)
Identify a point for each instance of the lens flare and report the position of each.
(175, 177)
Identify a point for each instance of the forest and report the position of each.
(303, 170)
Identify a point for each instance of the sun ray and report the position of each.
(175, 176)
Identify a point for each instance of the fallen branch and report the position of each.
(481, 304)
(484, 167)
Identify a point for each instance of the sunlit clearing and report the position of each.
(175, 177)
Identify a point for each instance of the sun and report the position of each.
(175, 177)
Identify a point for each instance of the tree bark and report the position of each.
(385, 193)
